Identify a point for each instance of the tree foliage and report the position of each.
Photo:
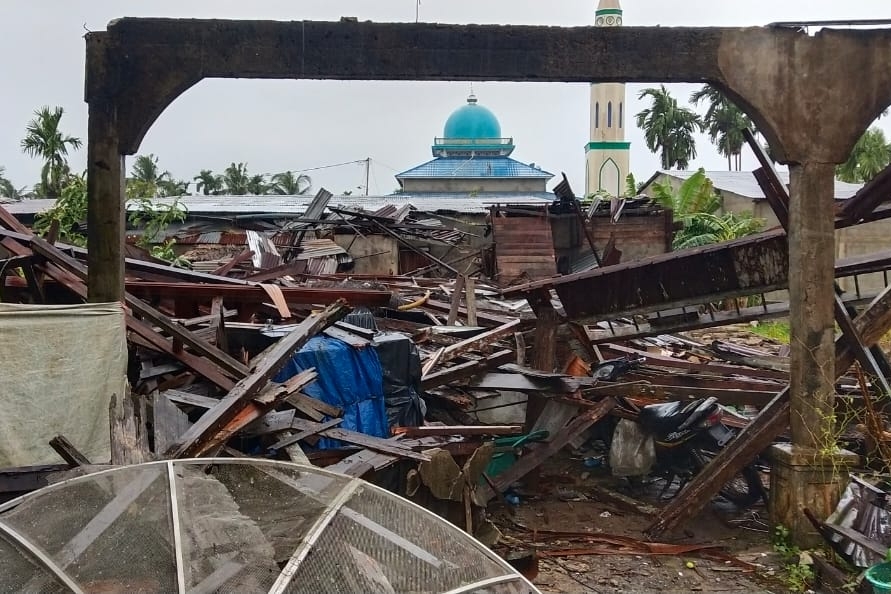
(290, 184)
(724, 122)
(695, 205)
(70, 210)
(669, 128)
(44, 140)
(870, 155)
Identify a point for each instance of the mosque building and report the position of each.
(472, 158)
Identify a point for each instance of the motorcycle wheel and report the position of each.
(743, 490)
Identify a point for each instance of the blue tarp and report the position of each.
(349, 378)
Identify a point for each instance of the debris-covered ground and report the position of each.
(488, 405)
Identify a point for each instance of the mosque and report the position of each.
(473, 157)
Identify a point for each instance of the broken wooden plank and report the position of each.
(366, 441)
(268, 364)
(456, 301)
(168, 421)
(537, 453)
(234, 261)
(313, 406)
(68, 452)
(452, 351)
(871, 325)
(219, 358)
(466, 370)
(470, 300)
(521, 383)
(434, 430)
(292, 439)
(129, 439)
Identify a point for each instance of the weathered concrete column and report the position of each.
(811, 295)
(105, 211)
(810, 472)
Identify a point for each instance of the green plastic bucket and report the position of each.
(880, 578)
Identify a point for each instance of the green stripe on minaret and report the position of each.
(607, 146)
(608, 11)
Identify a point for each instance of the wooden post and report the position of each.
(456, 301)
(470, 300)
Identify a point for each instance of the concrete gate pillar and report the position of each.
(799, 94)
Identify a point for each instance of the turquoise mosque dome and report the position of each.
(472, 121)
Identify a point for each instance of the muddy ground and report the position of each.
(568, 496)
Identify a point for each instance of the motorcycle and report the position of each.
(684, 436)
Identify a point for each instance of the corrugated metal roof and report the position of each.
(743, 183)
(458, 202)
(474, 167)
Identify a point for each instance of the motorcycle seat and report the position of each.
(661, 419)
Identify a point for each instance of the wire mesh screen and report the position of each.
(378, 544)
(18, 573)
(238, 524)
(116, 532)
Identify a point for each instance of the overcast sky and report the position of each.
(280, 125)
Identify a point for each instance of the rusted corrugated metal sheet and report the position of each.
(748, 266)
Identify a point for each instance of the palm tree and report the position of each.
(257, 185)
(869, 156)
(43, 139)
(669, 128)
(7, 189)
(146, 177)
(236, 179)
(173, 187)
(288, 184)
(724, 122)
(208, 183)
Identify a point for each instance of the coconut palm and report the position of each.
(173, 187)
(669, 128)
(869, 156)
(145, 177)
(289, 184)
(236, 179)
(724, 122)
(44, 140)
(208, 183)
(7, 189)
(257, 185)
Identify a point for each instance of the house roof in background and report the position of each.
(297, 205)
(743, 183)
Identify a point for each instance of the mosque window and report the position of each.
(609, 114)
(597, 115)
(621, 114)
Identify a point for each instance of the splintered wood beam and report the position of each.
(68, 452)
(466, 370)
(195, 441)
(773, 419)
(537, 453)
(452, 351)
(223, 360)
(252, 411)
(366, 441)
(456, 300)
